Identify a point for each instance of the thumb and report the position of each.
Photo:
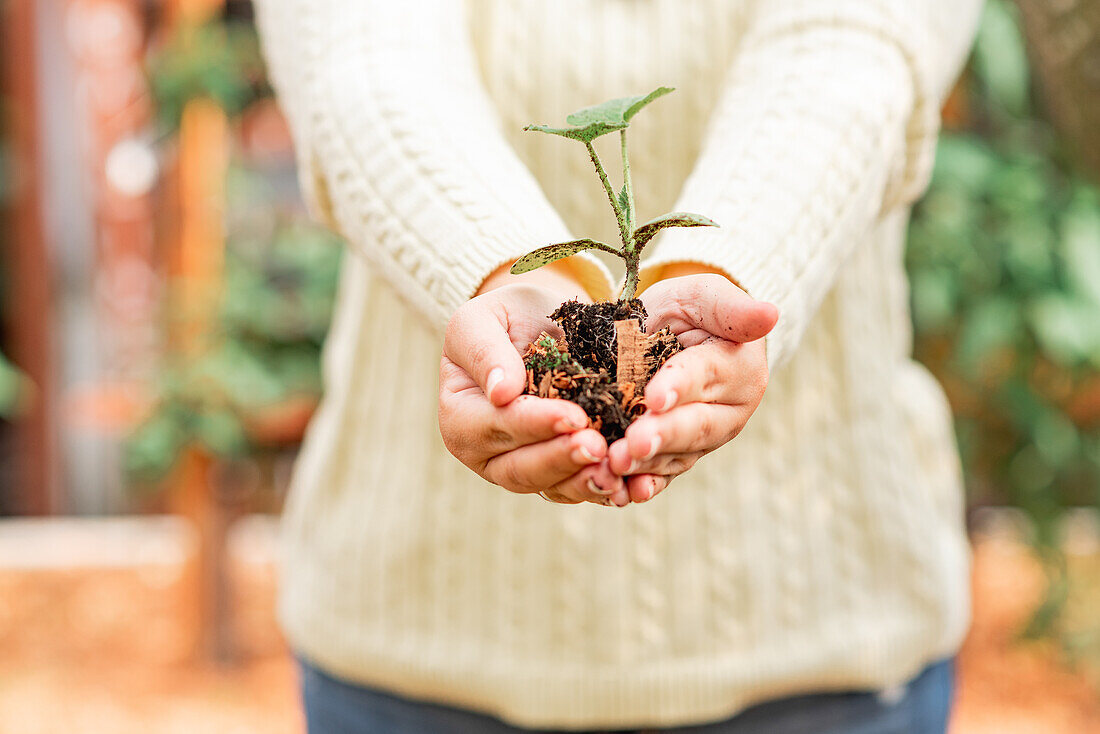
(478, 342)
(711, 304)
(751, 320)
(727, 311)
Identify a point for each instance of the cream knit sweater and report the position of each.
(821, 549)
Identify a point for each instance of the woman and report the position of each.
(810, 574)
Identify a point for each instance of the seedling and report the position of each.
(604, 359)
(585, 126)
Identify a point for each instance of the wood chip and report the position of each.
(633, 347)
(546, 385)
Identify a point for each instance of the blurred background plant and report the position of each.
(1004, 259)
(217, 59)
(255, 386)
(13, 384)
(13, 389)
(255, 389)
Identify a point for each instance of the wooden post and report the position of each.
(27, 262)
(200, 253)
(197, 275)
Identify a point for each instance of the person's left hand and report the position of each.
(702, 397)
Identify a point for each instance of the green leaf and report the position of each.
(550, 253)
(1066, 328)
(649, 230)
(615, 111)
(13, 388)
(607, 117)
(151, 450)
(585, 134)
(1055, 437)
(624, 203)
(221, 432)
(989, 328)
(965, 162)
(1000, 58)
(1080, 229)
(935, 299)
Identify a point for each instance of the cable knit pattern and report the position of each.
(821, 549)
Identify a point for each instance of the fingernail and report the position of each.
(621, 499)
(563, 426)
(670, 402)
(571, 424)
(633, 467)
(587, 455)
(647, 493)
(593, 487)
(654, 447)
(496, 376)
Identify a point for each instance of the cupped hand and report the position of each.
(523, 443)
(702, 397)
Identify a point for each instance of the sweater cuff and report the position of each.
(593, 276)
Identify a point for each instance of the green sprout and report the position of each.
(552, 357)
(585, 126)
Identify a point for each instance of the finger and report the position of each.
(595, 483)
(543, 465)
(717, 371)
(710, 303)
(468, 420)
(691, 428)
(621, 498)
(529, 419)
(477, 341)
(667, 465)
(473, 430)
(558, 499)
(645, 487)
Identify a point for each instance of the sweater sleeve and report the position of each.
(828, 118)
(400, 149)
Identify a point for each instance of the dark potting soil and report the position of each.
(582, 365)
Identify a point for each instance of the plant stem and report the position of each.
(630, 284)
(628, 184)
(620, 215)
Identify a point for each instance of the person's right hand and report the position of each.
(523, 443)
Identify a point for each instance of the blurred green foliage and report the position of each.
(280, 280)
(1004, 258)
(6, 175)
(13, 389)
(13, 383)
(219, 60)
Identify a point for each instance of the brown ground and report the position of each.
(1011, 686)
(104, 648)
